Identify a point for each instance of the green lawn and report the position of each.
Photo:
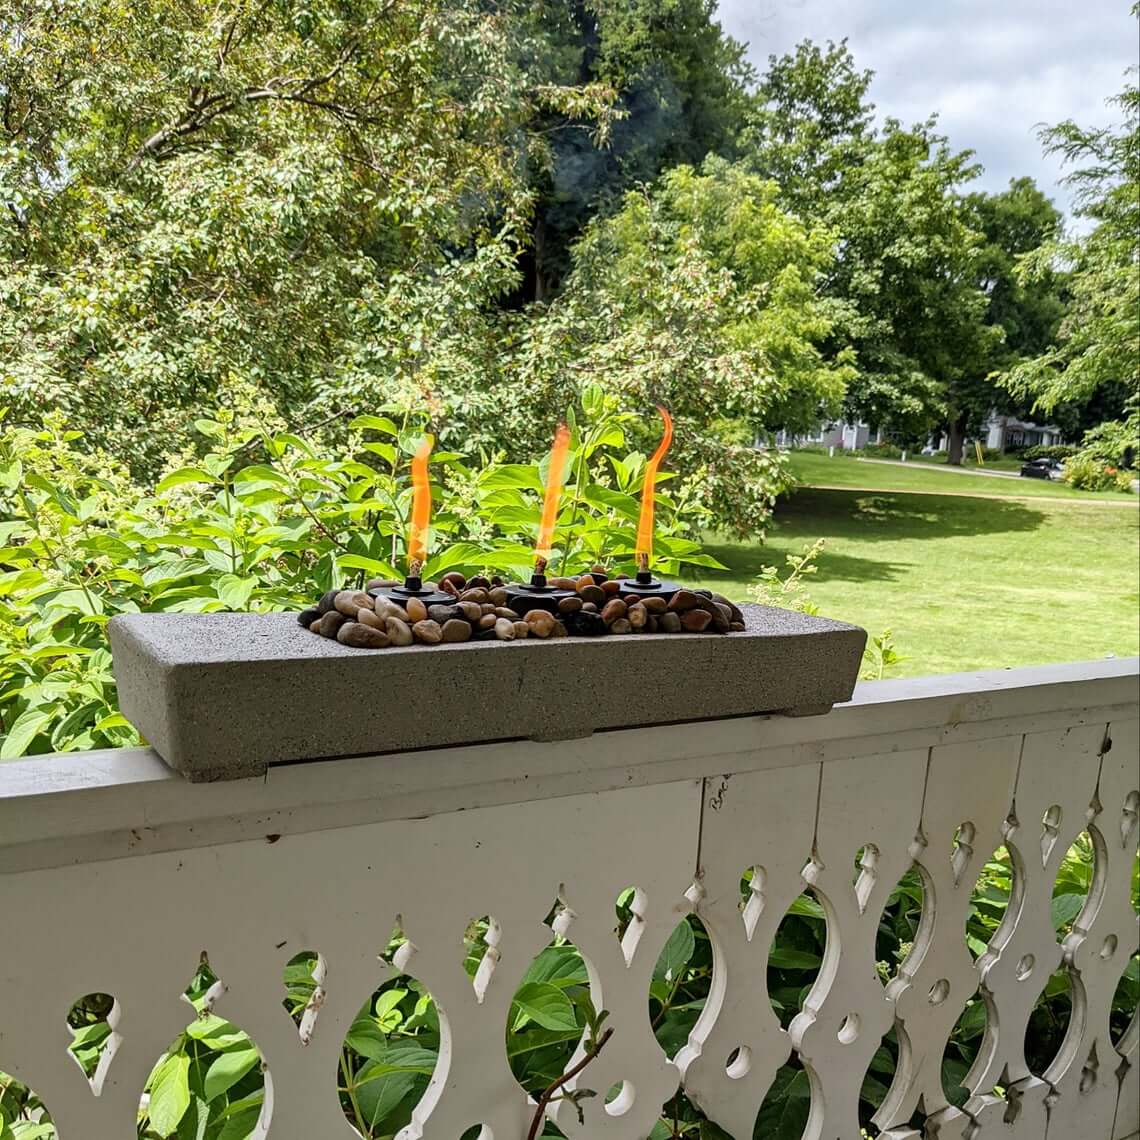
(963, 582)
(850, 471)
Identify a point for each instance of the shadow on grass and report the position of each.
(866, 516)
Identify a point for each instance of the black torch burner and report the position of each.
(644, 585)
(537, 594)
(413, 587)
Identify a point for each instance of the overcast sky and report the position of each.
(993, 69)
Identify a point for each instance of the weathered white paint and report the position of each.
(130, 873)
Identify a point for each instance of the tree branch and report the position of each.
(549, 1092)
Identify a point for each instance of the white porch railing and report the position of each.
(115, 875)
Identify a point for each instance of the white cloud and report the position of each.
(993, 71)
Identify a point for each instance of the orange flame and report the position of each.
(554, 475)
(648, 493)
(421, 507)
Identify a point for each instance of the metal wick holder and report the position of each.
(644, 585)
(413, 587)
(535, 595)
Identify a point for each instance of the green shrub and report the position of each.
(884, 450)
(1087, 474)
(1049, 451)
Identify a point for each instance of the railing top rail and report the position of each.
(78, 806)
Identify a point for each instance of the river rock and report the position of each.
(683, 600)
(428, 632)
(613, 609)
(504, 629)
(455, 578)
(592, 593)
(522, 629)
(610, 587)
(586, 623)
(669, 623)
(349, 601)
(443, 613)
(307, 617)
(475, 594)
(569, 605)
(372, 618)
(695, 620)
(736, 627)
(381, 584)
(498, 596)
(456, 630)
(564, 583)
(721, 600)
(722, 619)
(480, 581)
(359, 636)
(399, 632)
(621, 626)
(328, 601)
(541, 623)
(654, 605)
(487, 621)
(416, 610)
(315, 627)
(638, 615)
(331, 622)
(447, 587)
(470, 611)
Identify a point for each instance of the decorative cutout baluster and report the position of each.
(967, 784)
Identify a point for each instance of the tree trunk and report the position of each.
(956, 440)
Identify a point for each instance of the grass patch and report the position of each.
(849, 471)
(963, 582)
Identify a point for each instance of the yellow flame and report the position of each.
(421, 507)
(645, 519)
(554, 475)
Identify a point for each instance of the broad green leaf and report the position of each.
(785, 958)
(183, 476)
(546, 1005)
(27, 726)
(227, 1069)
(676, 953)
(169, 1093)
(375, 423)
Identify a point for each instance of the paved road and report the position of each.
(943, 467)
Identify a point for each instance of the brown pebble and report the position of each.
(505, 612)
(487, 621)
(583, 581)
(428, 632)
(504, 629)
(415, 610)
(559, 630)
(541, 623)
(328, 601)
(470, 611)
(479, 580)
(569, 605)
(399, 632)
(456, 630)
(443, 613)
(307, 617)
(592, 593)
(331, 622)
(621, 626)
(722, 619)
(683, 600)
(522, 628)
(359, 636)
(455, 578)
(478, 594)
(669, 623)
(564, 583)
(654, 605)
(631, 598)
(611, 587)
(651, 623)
(613, 609)
(316, 626)
(372, 618)
(589, 607)
(598, 568)
(447, 587)
(349, 601)
(695, 620)
(736, 627)
(638, 615)
(497, 596)
(381, 584)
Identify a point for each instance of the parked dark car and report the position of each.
(1042, 469)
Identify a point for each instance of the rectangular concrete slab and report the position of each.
(222, 696)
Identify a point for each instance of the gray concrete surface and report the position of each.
(222, 696)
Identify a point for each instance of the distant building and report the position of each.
(842, 436)
(1008, 432)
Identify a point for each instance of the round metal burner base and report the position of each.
(401, 594)
(523, 598)
(654, 588)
